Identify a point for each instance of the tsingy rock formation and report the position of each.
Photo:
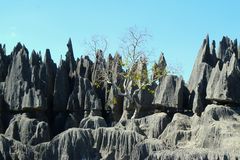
(84, 109)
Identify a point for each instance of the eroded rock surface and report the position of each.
(86, 109)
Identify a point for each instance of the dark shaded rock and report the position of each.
(93, 122)
(72, 144)
(222, 83)
(4, 63)
(38, 73)
(92, 104)
(11, 149)
(143, 99)
(35, 59)
(33, 99)
(18, 78)
(2, 105)
(63, 121)
(84, 67)
(70, 61)
(204, 56)
(116, 144)
(28, 131)
(202, 68)
(115, 103)
(169, 93)
(77, 97)
(150, 126)
(24, 86)
(51, 70)
(227, 48)
(197, 98)
(72, 120)
(39, 101)
(64, 81)
(61, 88)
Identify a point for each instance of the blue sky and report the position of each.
(177, 26)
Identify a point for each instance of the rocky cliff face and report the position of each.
(77, 110)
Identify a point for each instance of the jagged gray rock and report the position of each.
(2, 85)
(115, 144)
(222, 86)
(227, 48)
(169, 93)
(84, 67)
(92, 104)
(77, 98)
(70, 60)
(18, 78)
(4, 63)
(63, 121)
(33, 99)
(115, 102)
(150, 126)
(92, 122)
(39, 101)
(197, 99)
(12, 149)
(143, 99)
(61, 88)
(72, 144)
(204, 56)
(195, 137)
(51, 69)
(146, 148)
(28, 130)
(200, 75)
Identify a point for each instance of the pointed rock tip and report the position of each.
(17, 47)
(206, 40)
(110, 56)
(34, 52)
(47, 56)
(162, 59)
(69, 44)
(207, 37)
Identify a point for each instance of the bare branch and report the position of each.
(96, 43)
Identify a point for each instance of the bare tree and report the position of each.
(133, 46)
(96, 43)
(134, 51)
(96, 47)
(135, 65)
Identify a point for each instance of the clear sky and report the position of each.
(177, 26)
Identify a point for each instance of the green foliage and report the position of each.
(158, 72)
(97, 84)
(114, 101)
